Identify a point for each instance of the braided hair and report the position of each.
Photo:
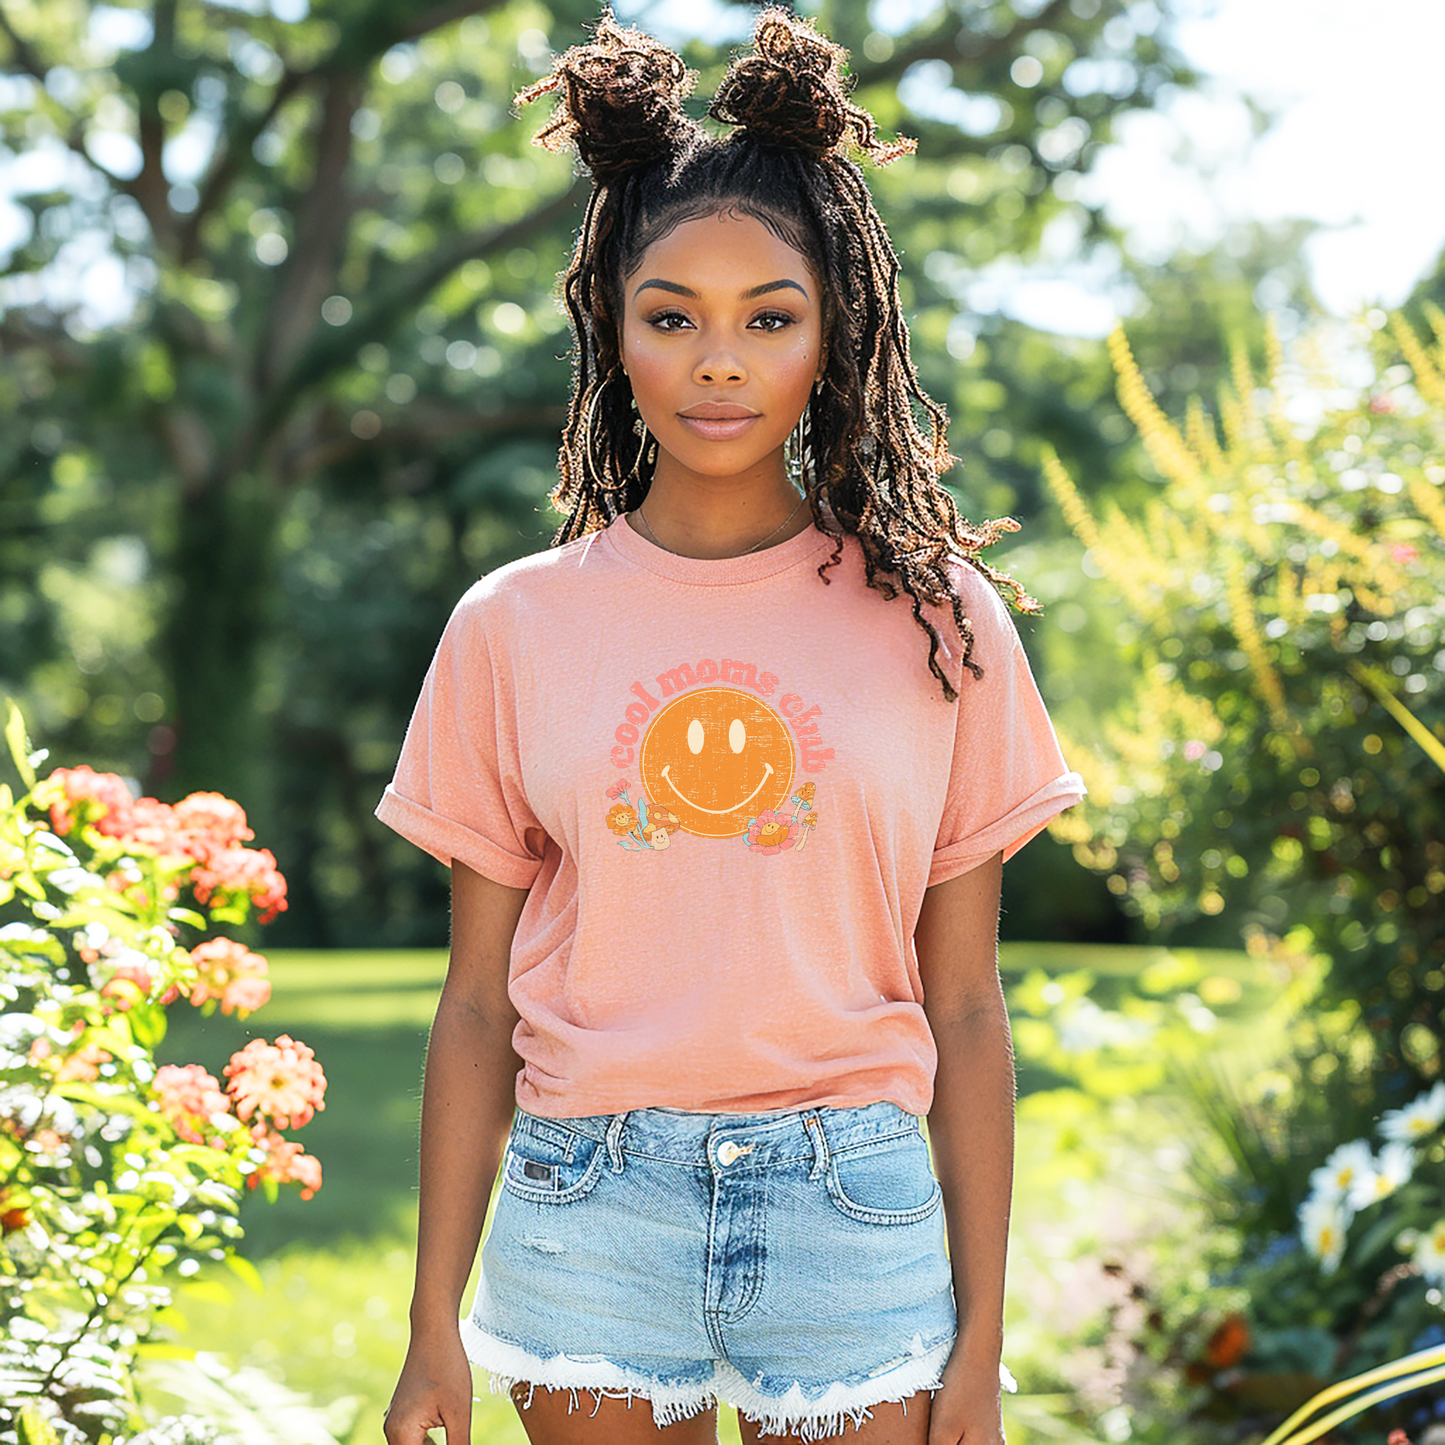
(871, 470)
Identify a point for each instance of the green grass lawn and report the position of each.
(337, 1269)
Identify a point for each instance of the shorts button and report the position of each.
(727, 1152)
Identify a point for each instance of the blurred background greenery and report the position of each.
(312, 384)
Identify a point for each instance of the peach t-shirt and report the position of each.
(726, 784)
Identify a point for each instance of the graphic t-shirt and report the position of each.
(726, 783)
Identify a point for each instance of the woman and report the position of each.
(714, 1183)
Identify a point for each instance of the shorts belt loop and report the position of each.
(814, 1126)
(614, 1135)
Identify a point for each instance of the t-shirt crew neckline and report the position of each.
(714, 571)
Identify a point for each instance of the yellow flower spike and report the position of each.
(1200, 434)
(1168, 449)
(1133, 551)
(1242, 375)
(1233, 422)
(1428, 502)
(1428, 380)
(1351, 544)
(1288, 602)
(1246, 629)
(1077, 514)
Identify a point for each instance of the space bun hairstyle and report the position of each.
(873, 442)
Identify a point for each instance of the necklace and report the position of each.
(744, 553)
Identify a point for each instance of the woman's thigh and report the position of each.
(552, 1419)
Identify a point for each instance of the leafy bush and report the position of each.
(1274, 769)
(115, 1174)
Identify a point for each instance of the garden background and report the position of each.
(283, 371)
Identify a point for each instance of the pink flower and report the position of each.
(211, 823)
(1194, 750)
(188, 1096)
(153, 825)
(284, 1162)
(771, 832)
(618, 788)
(230, 972)
(1404, 552)
(281, 1082)
(235, 872)
(101, 798)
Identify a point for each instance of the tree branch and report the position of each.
(226, 161)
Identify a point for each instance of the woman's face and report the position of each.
(722, 336)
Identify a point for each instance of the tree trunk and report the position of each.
(224, 571)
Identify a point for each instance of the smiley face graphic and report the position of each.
(716, 757)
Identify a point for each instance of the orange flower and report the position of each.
(285, 1162)
(101, 798)
(281, 1082)
(235, 871)
(1229, 1343)
(211, 823)
(230, 972)
(188, 1096)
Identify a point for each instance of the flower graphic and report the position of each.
(622, 819)
(618, 789)
(771, 831)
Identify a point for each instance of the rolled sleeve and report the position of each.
(457, 791)
(1008, 776)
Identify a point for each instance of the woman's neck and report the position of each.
(708, 517)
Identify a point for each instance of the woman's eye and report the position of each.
(773, 320)
(662, 321)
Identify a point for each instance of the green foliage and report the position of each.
(233, 518)
(1277, 584)
(1278, 766)
(116, 1177)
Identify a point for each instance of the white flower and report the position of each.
(1334, 1178)
(1392, 1169)
(1419, 1117)
(1430, 1252)
(1323, 1220)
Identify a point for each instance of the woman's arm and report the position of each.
(971, 1124)
(468, 1100)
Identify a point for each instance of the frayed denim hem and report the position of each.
(792, 1413)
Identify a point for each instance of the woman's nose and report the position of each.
(718, 367)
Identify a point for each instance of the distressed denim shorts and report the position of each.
(791, 1264)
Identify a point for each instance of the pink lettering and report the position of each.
(766, 683)
(636, 713)
(788, 702)
(643, 693)
(621, 757)
(707, 670)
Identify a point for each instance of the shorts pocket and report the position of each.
(546, 1163)
(885, 1181)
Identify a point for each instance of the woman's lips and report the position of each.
(719, 421)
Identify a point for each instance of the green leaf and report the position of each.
(238, 1264)
(34, 1428)
(18, 742)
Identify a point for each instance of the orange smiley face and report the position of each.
(716, 757)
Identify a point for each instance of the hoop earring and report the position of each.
(599, 476)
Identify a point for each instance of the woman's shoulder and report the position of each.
(534, 575)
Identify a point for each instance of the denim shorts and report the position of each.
(789, 1263)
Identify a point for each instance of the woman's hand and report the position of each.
(434, 1392)
(968, 1407)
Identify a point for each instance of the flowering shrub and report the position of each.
(1276, 766)
(114, 1173)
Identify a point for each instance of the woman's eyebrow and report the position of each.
(747, 295)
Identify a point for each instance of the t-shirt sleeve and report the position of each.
(1008, 777)
(457, 791)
